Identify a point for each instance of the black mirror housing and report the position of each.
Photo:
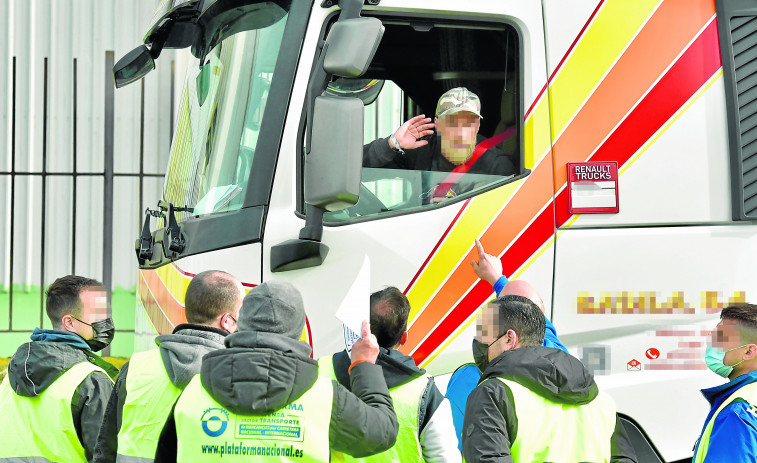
(133, 66)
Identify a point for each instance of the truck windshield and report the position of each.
(223, 105)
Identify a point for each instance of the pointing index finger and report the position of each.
(480, 250)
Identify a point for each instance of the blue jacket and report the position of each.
(465, 378)
(734, 433)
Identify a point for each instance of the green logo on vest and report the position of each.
(215, 421)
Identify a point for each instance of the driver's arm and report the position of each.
(388, 152)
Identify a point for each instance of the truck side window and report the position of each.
(459, 73)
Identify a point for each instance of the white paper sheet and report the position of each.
(356, 306)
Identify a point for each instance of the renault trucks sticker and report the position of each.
(593, 187)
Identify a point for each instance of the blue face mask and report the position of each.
(714, 357)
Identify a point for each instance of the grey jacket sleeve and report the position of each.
(363, 422)
(490, 424)
(621, 446)
(88, 408)
(107, 441)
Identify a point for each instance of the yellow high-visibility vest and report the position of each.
(41, 427)
(555, 432)
(407, 400)
(747, 393)
(150, 394)
(207, 431)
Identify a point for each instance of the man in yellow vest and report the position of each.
(533, 403)
(151, 381)
(426, 432)
(54, 395)
(730, 430)
(262, 396)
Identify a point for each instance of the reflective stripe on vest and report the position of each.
(747, 393)
(297, 432)
(555, 432)
(150, 394)
(43, 428)
(407, 400)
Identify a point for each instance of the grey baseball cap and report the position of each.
(457, 100)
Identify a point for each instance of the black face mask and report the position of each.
(103, 332)
(481, 353)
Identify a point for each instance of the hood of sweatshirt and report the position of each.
(258, 373)
(37, 364)
(398, 368)
(182, 351)
(548, 372)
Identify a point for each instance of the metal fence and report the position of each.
(63, 219)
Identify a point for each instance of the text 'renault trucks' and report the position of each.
(631, 126)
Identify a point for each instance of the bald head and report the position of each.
(212, 294)
(523, 288)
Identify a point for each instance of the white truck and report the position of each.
(632, 209)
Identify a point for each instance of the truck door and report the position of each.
(415, 241)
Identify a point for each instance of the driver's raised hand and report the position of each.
(409, 132)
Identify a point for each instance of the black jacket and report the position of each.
(397, 369)
(181, 353)
(491, 424)
(429, 157)
(276, 372)
(436, 431)
(36, 365)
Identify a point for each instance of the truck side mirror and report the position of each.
(334, 164)
(334, 138)
(133, 66)
(351, 46)
(332, 178)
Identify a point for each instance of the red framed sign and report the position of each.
(593, 188)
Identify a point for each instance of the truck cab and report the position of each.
(267, 177)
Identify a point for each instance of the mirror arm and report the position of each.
(350, 9)
(313, 229)
(155, 49)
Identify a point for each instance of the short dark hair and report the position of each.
(389, 311)
(210, 294)
(523, 316)
(744, 314)
(63, 297)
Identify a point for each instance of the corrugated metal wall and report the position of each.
(54, 51)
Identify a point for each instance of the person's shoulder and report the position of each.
(739, 411)
(491, 386)
(494, 161)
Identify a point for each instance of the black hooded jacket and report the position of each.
(429, 157)
(398, 369)
(36, 365)
(259, 373)
(491, 424)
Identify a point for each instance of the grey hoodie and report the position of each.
(182, 353)
(36, 365)
(259, 373)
